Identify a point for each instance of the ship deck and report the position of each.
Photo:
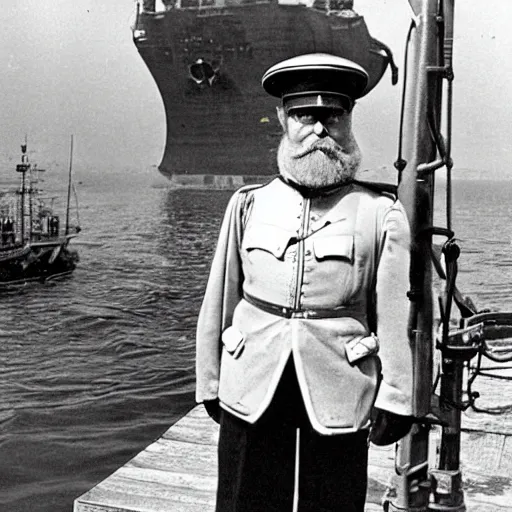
(178, 472)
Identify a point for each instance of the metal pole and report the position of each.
(69, 184)
(30, 203)
(447, 480)
(22, 207)
(423, 104)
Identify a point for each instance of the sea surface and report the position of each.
(95, 367)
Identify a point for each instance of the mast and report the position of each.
(424, 151)
(24, 167)
(69, 185)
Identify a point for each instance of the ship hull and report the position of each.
(222, 129)
(36, 261)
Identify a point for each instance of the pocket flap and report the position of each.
(233, 340)
(266, 237)
(334, 246)
(359, 348)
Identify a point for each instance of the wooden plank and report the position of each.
(175, 473)
(178, 473)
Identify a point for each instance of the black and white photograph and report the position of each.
(256, 256)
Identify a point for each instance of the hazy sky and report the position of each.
(70, 67)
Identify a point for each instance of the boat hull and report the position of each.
(36, 262)
(222, 129)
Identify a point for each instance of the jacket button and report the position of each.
(308, 252)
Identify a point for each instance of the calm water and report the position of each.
(95, 367)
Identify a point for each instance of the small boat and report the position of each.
(34, 246)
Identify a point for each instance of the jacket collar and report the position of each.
(308, 192)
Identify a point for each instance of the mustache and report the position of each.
(330, 150)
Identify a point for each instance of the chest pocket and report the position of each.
(266, 237)
(334, 247)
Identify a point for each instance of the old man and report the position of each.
(302, 335)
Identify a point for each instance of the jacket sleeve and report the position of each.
(223, 293)
(392, 309)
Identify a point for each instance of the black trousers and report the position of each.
(257, 462)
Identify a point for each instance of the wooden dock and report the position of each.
(177, 473)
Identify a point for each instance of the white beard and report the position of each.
(324, 163)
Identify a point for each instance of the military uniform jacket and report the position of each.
(346, 251)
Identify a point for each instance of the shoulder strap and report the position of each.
(245, 200)
(387, 189)
(243, 208)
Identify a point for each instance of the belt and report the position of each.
(286, 312)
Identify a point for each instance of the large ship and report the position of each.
(207, 58)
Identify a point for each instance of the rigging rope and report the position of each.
(400, 163)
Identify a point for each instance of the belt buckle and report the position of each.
(304, 313)
(284, 311)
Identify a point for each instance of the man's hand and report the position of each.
(388, 428)
(213, 409)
